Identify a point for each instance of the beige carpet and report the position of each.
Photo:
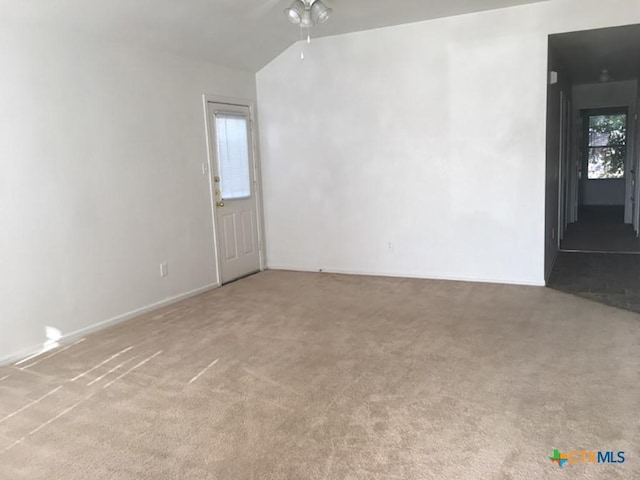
(316, 376)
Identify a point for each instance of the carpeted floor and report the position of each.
(610, 278)
(601, 237)
(317, 376)
(601, 229)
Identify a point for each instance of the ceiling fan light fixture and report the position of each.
(605, 76)
(320, 13)
(295, 13)
(306, 19)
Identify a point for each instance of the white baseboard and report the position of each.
(453, 278)
(76, 335)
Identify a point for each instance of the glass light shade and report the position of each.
(306, 19)
(320, 13)
(295, 12)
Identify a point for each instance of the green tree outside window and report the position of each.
(607, 146)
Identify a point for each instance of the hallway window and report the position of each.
(607, 146)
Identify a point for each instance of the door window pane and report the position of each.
(607, 146)
(233, 156)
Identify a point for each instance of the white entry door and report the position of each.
(234, 191)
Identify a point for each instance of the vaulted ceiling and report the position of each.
(244, 34)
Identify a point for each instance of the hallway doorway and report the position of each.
(602, 186)
(592, 165)
(591, 145)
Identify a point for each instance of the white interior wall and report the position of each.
(427, 138)
(606, 192)
(101, 150)
(604, 95)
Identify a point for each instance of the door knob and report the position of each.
(220, 204)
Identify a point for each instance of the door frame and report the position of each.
(563, 166)
(632, 167)
(574, 165)
(635, 180)
(629, 171)
(207, 101)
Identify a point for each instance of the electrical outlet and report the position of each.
(204, 169)
(553, 233)
(164, 269)
(390, 246)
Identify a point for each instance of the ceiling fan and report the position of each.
(305, 13)
(308, 13)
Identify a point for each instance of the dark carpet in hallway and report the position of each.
(609, 278)
(601, 237)
(601, 229)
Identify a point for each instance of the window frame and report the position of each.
(231, 114)
(587, 148)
